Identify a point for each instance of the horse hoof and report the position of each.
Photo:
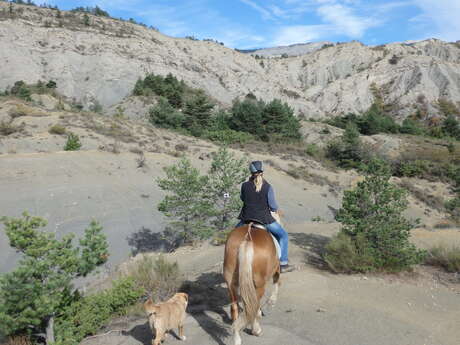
(257, 333)
(183, 337)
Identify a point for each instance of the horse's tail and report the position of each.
(246, 281)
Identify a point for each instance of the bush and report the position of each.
(87, 315)
(374, 121)
(51, 84)
(21, 90)
(164, 115)
(57, 129)
(347, 151)
(169, 87)
(451, 127)
(312, 150)
(411, 168)
(73, 142)
(410, 126)
(446, 257)
(156, 277)
(371, 217)
(346, 255)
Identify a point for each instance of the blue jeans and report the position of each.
(281, 235)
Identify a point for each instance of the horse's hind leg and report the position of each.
(256, 330)
(232, 290)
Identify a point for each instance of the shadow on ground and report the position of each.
(145, 240)
(208, 293)
(142, 333)
(314, 246)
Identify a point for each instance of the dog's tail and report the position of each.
(246, 282)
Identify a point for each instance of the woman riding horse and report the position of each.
(258, 202)
(251, 259)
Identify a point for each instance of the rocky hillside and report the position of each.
(101, 59)
(290, 50)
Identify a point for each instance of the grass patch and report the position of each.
(447, 257)
(57, 129)
(156, 276)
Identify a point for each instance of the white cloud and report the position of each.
(440, 18)
(345, 21)
(266, 14)
(299, 34)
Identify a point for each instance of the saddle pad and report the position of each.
(277, 245)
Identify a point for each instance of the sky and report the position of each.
(248, 24)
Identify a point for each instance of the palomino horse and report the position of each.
(250, 261)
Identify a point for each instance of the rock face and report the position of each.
(100, 62)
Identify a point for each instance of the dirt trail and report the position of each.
(315, 307)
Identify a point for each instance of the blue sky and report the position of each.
(264, 23)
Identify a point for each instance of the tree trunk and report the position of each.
(50, 331)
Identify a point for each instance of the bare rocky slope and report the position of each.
(102, 61)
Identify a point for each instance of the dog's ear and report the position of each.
(185, 296)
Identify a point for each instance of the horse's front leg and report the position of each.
(276, 282)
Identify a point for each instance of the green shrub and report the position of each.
(156, 277)
(411, 168)
(57, 129)
(347, 150)
(21, 90)
(88, 314)
(267, 121)
(447, 257)
(169, 87)
(451, 127)
(73, 142)
(371, 216)
(410, 126)
(164, 115)
(374, 121)
(312, 150)
(51, 84)
(345, 254)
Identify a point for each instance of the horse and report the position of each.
(250, 261)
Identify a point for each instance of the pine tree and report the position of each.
(198, 111)
(34, 293)
(186, 203)
(373, 226)
(225, 177)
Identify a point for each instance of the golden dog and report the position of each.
(167, 315)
